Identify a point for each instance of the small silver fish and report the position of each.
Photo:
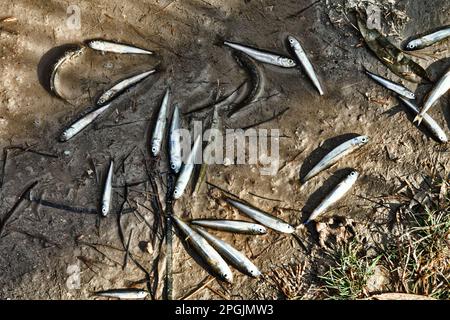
(427, 121)
(128, 294)
(186, 171)
(235, 257)
(235, 226)
(428, 40)
(158, 131)
(174, 141)
(205, 250)
(401, 90)
(440, 88)
(263, 56)
(262, 217)
(107, 190)
(336, 154)
(115, 47)
(303, 59)
(124, 84)
(72, 52)
(335, 195)
(81, 123)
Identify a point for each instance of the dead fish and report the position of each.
(186, 171)
(107, 191)
(336, 194)
(428, 39)
(82, 123)
(439, 89)
(391, 56)
(124, 84)
(234, 226)
(336, 154)
(255, 81)
(429, 122)
(129, 294)
(263, 56)
(71, 52)
(161, 121)
(235, 257)
(401, 90)
(174, 141)
(205, 250)
(115, 47)
(262, 217)
(304, 61)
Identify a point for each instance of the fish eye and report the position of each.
(154, 149)
(353, 173)
(364, 139)
(172, 165)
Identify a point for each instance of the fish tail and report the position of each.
(418, 119)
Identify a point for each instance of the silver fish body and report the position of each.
(174, 141)
(82, 123)
(304, 61)
(401, 90)
(158, 131)
(440, 88)
(428, 40)
(124, 84)
(107, 191)
(126, 294)
(69, 54)
(235, 257)
(335, 195)
(263, 56)
(428, 121)
(205, 250)
(235, 226)
(114, 47)
(336, 154)
(262, 217)
(186, 171)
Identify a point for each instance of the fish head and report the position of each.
(293, 42)
(259, 229)
(64, 136)
(289, 229)
(173, 165)
(227, 276)
(105, 209)
(412, 45)
(442, 137)
(177, 193)
(254, 272)
(287, 62)
(361, 140)
(354, 175)
(155, 147)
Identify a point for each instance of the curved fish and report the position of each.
(161, 121)
(255, 80)
(234, 226)
(428, 39)
(262, 217)
(115, 47)
(128, 293)
(263, 56)
(304, 61)
(336, 194)
(124, 84)
(439, 89)
(336, 154)
(205, 250)
(428, 121)
(186, 171)
(174, 141)
(235, 257)
(107, 191)
(401, 90)
(81, 123)
(73, 51)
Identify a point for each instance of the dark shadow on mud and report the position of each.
(321, 151)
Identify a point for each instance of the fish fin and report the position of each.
(418, 119)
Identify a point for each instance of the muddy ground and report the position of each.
(39, 248)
